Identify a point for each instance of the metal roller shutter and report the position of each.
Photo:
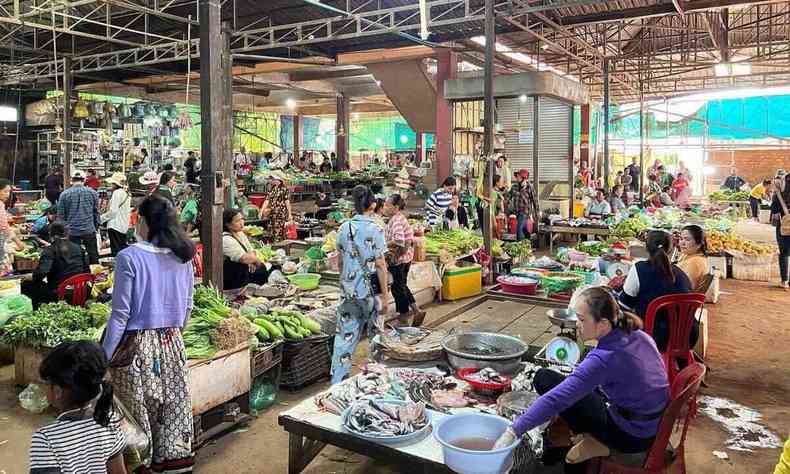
(515, 120)
(553, 141)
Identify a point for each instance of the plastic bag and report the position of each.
(138, 446)
(263, 394)
(276, 277)
(290, 231)
(34, 398)
(11, 306)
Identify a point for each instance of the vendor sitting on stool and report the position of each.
(58, 262)
(624, 413)
(242, 265)
(323, 206)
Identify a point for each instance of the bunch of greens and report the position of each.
(50, 325)
(728, 195)
(521, 249)
(209, 310)
(632, 226)
(457, 242)
(593, 249)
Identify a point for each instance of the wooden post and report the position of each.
(605, 180)
(68, 85)
(212, 95)
(342, 126)
(488, 127)
(571, 178)
(227, 115)
(584, 136)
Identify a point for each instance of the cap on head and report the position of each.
(523, 173)
(77, 175)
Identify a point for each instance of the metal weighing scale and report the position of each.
(562, 352)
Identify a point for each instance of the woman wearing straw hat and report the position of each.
(117, 217)
(277, 206)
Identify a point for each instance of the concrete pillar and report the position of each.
(443, 140)
(342, 131)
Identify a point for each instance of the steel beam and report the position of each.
(342, 131)
(68, 85)
(489, 128)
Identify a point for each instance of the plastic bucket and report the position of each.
(474, 425)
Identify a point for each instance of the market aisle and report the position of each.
(749, 331)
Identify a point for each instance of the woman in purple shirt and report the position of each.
(615, 397)
(151, 302)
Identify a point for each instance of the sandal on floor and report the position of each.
(585, 449)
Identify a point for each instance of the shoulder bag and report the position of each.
(372, 278)
(784, 221)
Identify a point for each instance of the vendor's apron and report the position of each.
(235, 274)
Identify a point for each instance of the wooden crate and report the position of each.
(27, 361)
(215, 381)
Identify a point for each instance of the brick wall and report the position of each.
(753, 165)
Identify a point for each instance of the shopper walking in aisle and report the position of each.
(92, 181)
(151, 302)
(779, 216)
(277, 206)
(615, 398)
(438, 201)
(759, 193)
(190, 168)
(79, 208)
(733, 182)
(634, 171)
(524, 204)
(53, 185)
(84, 438)
(363, 280)
(167, 183)
(117, 217)
(400, 244)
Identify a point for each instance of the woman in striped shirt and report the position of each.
(400, 245)
(82, 440)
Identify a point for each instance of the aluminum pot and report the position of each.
(504, 357)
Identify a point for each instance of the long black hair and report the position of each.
(79, 367)
(603, 305)
(163, 228)
(227, 217)
(165, 178)
(699, 237)
(785, 191)
(58, 233)
(363, 198)
(659, 246)
(397, 200)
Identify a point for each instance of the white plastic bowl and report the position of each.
(471, 425)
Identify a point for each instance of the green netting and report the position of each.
(367, 134)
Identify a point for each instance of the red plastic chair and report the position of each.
(197, 260)
(80, 285)
(680, 310)
(662, 457)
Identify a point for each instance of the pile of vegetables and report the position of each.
(281, 324)
(210, 308)
(457, 242)
(593, 249)
(253, 230)
(521, 249)
(54, 323)
(727, 195)
(330, 242)
(722, 241)
(29, 252)
(632, 226)
(264, 252)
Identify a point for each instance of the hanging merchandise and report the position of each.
(80, 110)
(164, 112)
(97, 108)
(124, 111)
(184, 120)
(139, 110)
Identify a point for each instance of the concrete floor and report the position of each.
(747, 356)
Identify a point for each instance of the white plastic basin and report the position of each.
(472, 425)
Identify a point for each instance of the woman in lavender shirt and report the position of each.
(151, 302)
(615, 397)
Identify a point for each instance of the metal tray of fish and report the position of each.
(409, 438)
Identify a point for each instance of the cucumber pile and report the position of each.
(282, 324)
